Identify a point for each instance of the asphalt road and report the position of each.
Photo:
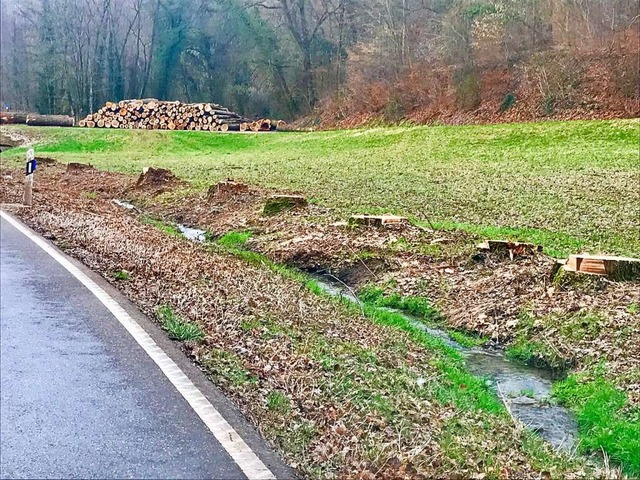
(79, 397)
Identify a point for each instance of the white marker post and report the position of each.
(28, 179)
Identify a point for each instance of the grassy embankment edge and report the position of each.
(598, 405)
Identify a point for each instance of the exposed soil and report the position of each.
(268, 330)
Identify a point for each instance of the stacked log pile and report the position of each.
(152, 114)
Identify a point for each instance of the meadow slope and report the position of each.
(570, 186)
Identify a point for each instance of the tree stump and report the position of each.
(74, 167)
(46, 161)
(376, 220)
(278, 203)
(155, 177)
(615, 268)
(226, 189)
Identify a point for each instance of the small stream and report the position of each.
(193, 234)
(525, 390)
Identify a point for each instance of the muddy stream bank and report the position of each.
(526, 391)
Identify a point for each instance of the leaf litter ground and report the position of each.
(338, 395)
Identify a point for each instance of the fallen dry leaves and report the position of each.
(335, 393)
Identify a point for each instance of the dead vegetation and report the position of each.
(337, 394)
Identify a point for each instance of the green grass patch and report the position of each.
(226, 367)
(177, 327)
(90, 195)
(234, 239)
(419, 307)
(531, 349)
(278, 401)
(121, 275)
(535, 354)
(606, 422)
(565, 185)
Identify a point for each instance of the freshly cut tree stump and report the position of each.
(226, 189)
(278, 203)
(376, 220)
(615, 268)
(45, 161)
(74, 167)
(155, 177)
(512, 249)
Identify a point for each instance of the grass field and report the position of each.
(570, 186)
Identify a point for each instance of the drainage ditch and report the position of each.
(526, 391)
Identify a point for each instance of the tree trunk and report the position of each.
(50, 120)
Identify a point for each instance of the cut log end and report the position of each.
(615, 268)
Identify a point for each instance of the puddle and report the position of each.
(525, 390)
(193, 234)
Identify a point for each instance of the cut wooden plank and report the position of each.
(616, 268)
(376, 220)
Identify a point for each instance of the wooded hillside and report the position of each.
(331, 62)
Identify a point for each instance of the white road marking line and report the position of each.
(231, 441)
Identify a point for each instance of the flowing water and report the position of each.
(193, 234)
(525, 390)
(123, 204)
